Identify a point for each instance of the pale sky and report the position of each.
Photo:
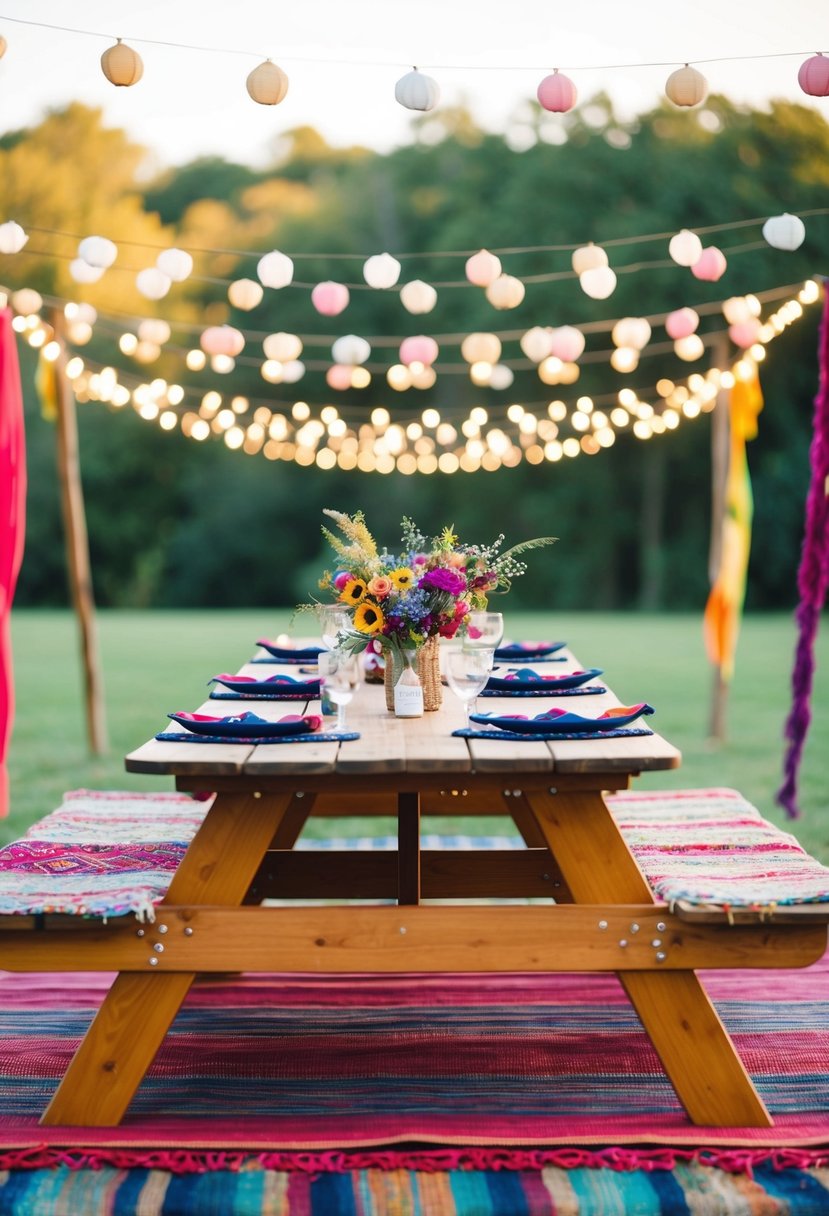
(343, 59)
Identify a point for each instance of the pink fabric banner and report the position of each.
(12, 526)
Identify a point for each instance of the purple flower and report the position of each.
(444, 580)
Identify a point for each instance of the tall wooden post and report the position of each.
(77, 545)
(720, 455)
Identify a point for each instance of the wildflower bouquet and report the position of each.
(401, 600)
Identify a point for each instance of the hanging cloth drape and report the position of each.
(812, 578)
(12, 526)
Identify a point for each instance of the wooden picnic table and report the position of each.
(590, 907)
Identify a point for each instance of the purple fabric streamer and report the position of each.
(812, 579)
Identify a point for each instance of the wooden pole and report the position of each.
(77, 545)
(720, 455)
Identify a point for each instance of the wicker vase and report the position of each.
(427, 664)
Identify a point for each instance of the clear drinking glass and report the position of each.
(340, 681)
(333, 620)
(467, 671)
(484, 630)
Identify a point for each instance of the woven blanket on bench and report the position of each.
(101, 853)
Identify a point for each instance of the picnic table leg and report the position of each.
(684, 1027)
(137, 1012)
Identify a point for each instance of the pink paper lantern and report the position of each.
(330, 298)
(420, 349)
(338, 377)
(681, 323)
(222, 340)
(745, 333)
(813, 76)
(566, 343)
(557, 93)
(711, 265)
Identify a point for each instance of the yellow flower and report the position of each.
(353, 592)
(369, 618)
(403, 578)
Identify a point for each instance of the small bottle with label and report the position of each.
(408, 691)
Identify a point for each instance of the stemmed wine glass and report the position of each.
(339, 680)
(467, 671)
(333, 620)
(484, 630)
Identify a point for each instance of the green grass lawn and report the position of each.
(159, 661)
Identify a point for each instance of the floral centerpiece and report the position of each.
(405, 601)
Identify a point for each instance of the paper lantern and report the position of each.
(550, 369)
(784, 231)
(267, 84)
(505, 292)
(175, 263)
(338, 377)
(686, 87)
(689, 348)
(419, 349)
(711, 265)
(745, 333)
(154, 330)
(26, 302)
(557, 93)
(350, 349)
(685, 248)
(282, 347)
(222, 340)
(633, 332)
(481, 348)
(122, 65)
(681, 323)
(82, 272)
(245, 294)
(423, 378)
(624, 359)
(381, 271)
(480, 374)
(813, 76)
(275, 269)
(398, 377)
(736, 310)
(12, 237)
(418, 297)
(153, 283)
(330, 298)
(483, 268)
(501, 377)
(536, 343)
(80, 312)
(566, 343)
(588, 257)
(416, 91)
(598, 283)
(3, 46)
(97, 251)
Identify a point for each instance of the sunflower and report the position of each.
(353, 592)
(403, 578)
(369, 618)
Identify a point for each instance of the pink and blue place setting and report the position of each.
(524, 679)
(558, 724)
(248, 727)
(288, 654)
(276, 687)
(529, 651)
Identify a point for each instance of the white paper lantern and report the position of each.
(26, 302)
(122, 65)
(685, 248)
(737, 309)
(598, 283)
(350, 349)
(292, 371)
(418, 297)
(12, 237)
(381, 271)
(566, 343)
(245, 294)
(417, 91)
(275, 269)
(80, 312)
(689, 348)
(505, 292)
(588, 257)
(784, 231)
(481, 348)
(222, 340)
(153, 283)
(175, 263)
(4, 46)
(634, 332)
(82, 272)
(282, 347)
(624, 359)
(98, 251)
(536, 343)
(267, 84)
(686, 87)
(483, 268)
(501, 376)
(153, 329)
(481, 374)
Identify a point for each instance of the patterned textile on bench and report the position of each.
(710, 846)
(101, 853)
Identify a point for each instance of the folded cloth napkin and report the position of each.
(560, 720)
(549, 736)
(527, 650)
(290, 654)
(271, 684)
(517, 678)
(584, 690)
(247, 725)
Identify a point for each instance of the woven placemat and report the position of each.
(180, 736)
(551, 736)
(264, 696)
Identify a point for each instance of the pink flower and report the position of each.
(380, 586)
(457, 560)
(341, 578)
